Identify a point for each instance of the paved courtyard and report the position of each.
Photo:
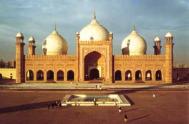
(167, 107)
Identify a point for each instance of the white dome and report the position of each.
(156, 39)
(168, 35)
(19, 34)
(31, 39)
(55, 44)
(135, 43)
(94, 32)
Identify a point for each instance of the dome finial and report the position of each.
(55, 30)
(94, 14)
(134, 28)
(55, 26)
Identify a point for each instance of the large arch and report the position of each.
(138, 75)
(158, 75)
(94, 74)
(118, 75)
(60, 75)
(29, 75)
(70, 75)
(128, 75)
(93, 64)
(50, 75)
(40, 75)
(148, 75)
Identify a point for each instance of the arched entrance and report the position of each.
(29, 75)
(94, 74)
(60, 75)
(40, 75)
(94, 64)
(50, 75)
(158, 75)
(70, 75)
(138, 75)
(118, 75)
(148, 75)
(128, 75)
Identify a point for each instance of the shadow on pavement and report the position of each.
(133, 90)
(133, 109)
(27, 106)
(138, 118)
(129, 100)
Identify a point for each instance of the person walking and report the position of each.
(125, 118)
(120, 110)
(153, 95)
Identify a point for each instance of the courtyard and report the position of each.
(149, 106)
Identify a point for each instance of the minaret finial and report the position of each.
(134, 28)
(94, 14)
(55, 26)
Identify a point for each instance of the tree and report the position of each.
(2, 64)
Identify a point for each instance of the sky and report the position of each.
(151, 18)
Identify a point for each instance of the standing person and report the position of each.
(153, 95)
(125, 118)
(120, 110)
(58, 103)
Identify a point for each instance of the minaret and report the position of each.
(94, 15)
(157, 46)
(134, 28)
(31, 46)
(169, 58)
(78, 55)
(111, 64)
(20, 58)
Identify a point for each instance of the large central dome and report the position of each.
(94, 32)
(54, 44)
(134, 44)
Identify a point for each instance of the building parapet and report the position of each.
(141, 57)
(50, 57)
(94, 42)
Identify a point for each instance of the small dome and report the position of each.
(168, 35)
(134, 43)
(19, 34)
(94, 32)
(156, 39)
(55, 44)
(31, 39)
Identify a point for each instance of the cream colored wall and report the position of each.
(52, 62)
(121, 62)
(6, 72)
(142, 63)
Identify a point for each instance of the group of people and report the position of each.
(125, 115)
(57, 103)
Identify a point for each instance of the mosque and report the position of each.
(94, 60)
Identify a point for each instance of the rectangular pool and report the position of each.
(95, 100)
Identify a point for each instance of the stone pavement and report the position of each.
(91, 86)
(31, 107)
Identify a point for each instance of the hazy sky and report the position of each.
(151, 18)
